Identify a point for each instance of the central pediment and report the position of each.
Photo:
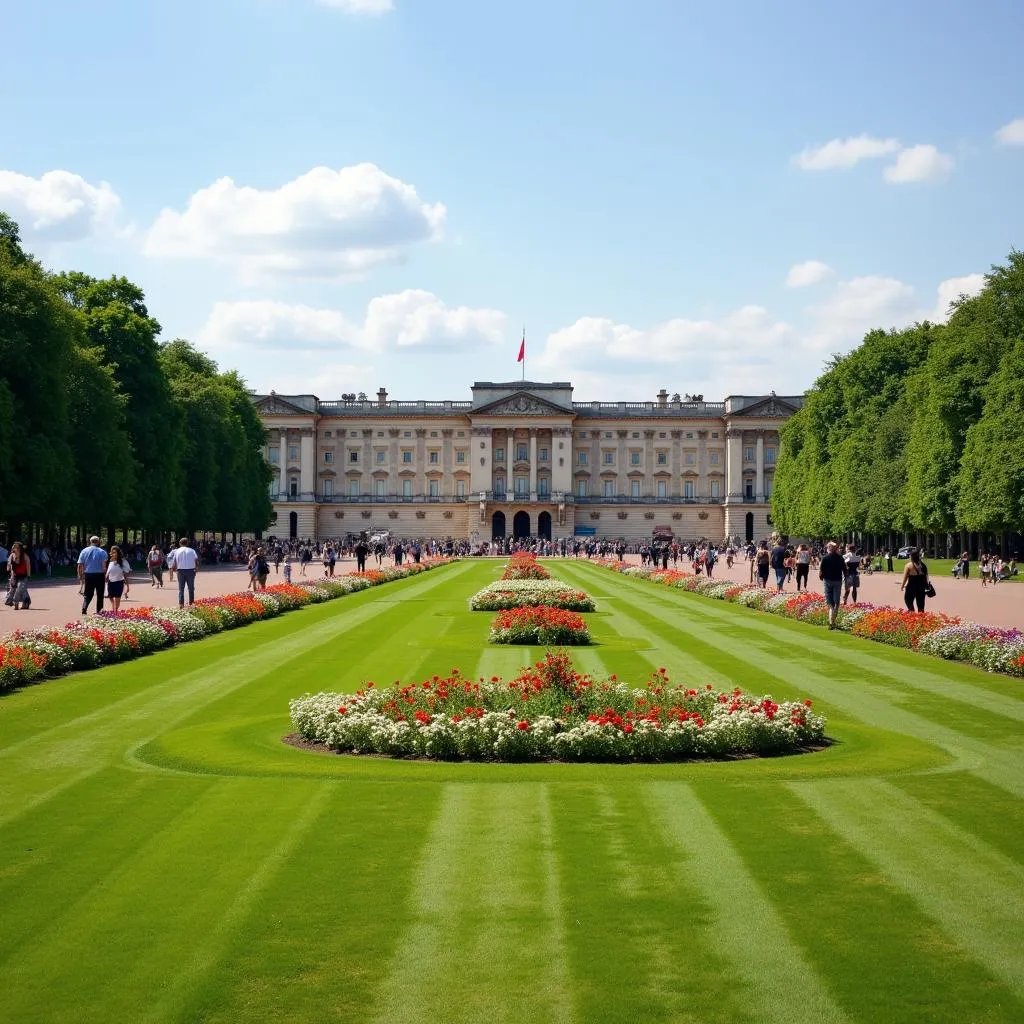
(523, 403)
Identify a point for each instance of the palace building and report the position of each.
(523, 459)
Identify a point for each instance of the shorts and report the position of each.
(115, 588)
(833, 592)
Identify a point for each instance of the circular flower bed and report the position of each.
(551, 712)
(522, 593)
(539, 625)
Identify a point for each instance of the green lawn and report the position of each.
(165, 857)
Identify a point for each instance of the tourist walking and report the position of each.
(915, 583)
(186, 562)
(117, 571)
(92, 568)
(19, 570)
(803, 565)
(831, 571)
(851, 579)
(361, 551)
(763, 559)
(778, 564)
(155, 562)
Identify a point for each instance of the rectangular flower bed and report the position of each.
(539, 625)
(525, 567)
(522, 593)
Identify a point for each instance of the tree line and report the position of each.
(104, 427)
(920, 429)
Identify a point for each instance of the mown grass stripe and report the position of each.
(972, 890)
(752, 936)
(480, 922)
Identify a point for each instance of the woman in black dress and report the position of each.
(915, 581)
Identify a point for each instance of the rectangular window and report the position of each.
(353, 488)
(327, 433)
(293, 487)
(748, 490)
(609, 488)
(714, 434)
(353, 456)
(542, 487)
(499, 454)
(433, 433)
(689, 433)
(636, 433)
(460, 458)
(353, 433)
(499, 487)
(583, 435)
(662, 458)
(328, 488)
(434, 458)
(378, 488)
(293, 452)
(328, 457)
(460, 433)
(407, 456)
(607, 433)
(406, 488)
(634, 488)
(581, 488)
(687, 488)
(407, 433)
(380, 458)
(634, 458)
(714, 458)
(522, 452)
(543, 455)
(433, 488)
(748, 454)
(581, 458)
(662, 434)
(522, 485)
(769, 456)
(460, 488)
(662, 489)
(767, 486)
(274, 456)
(609, 458)
(714, 488)
(689, 458)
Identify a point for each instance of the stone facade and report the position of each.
(522, 458)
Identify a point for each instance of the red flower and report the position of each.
(523, 726)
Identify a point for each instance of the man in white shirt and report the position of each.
(186, 561)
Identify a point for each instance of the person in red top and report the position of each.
(19, 565)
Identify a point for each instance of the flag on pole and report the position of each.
(522, 350)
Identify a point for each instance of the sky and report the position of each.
(335, 196)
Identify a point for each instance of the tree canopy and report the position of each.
(921, 428)
(101, 424)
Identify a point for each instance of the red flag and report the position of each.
(522, 351)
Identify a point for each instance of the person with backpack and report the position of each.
(260, 570)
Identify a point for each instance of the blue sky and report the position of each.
(334, 199)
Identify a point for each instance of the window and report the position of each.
(328, 488)
(293, 452)
(460, 458)
(353, 455)
(380, 458)
(407, 433)
(522, 484)
(662, 435)
(607, 433)
(293, 487)
(662, 489)
(378, 488)
(274, 454)
(406, 488)
(714, 458)
(353, 488)
(634, 458)
(662, 458)
(748, 454)
(380, 433)
(460, 488)
(543, 455)
(609, 458)
(634, 488)
(769, 456)
(714, 434)
(714, 488)
(433, 488)
(433, 433)
(689, 458)
(636, 433)
(689, 433)
(328, 457)
(406, 456)
(542, 487)
(327, 433)
(460, 433)
(434, 458)
(748, 490)
(499, 487)
(583, 435)
(687, 488)
(609, 488)
(767, 486)
(499, 454)
(353, 433)
(522, 452)
(581, 488)
(581, 457)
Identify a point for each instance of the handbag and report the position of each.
(929, 590)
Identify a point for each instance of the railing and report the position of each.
(669, 409)
(645, 499)
(372, 405)
(391, 499)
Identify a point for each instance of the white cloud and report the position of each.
(1012, 134)
(325, 223)
(951, 289)
(803, 275)
(842, 153)
(858, 306)
(404, 321)
(360, 6)
(58, 206)
(919, 163)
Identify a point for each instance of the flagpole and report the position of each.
(524, 352)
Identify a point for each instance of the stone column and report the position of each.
(649, 487)
(621, 466)
(480, 478)
(421, 460)
(595, 486)
(533, 463)
(282, 462)
(447, 480)
(759, 485)
(702, 463)
(676, 487)
(307, 462)
(734, 467)
(366, 484)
